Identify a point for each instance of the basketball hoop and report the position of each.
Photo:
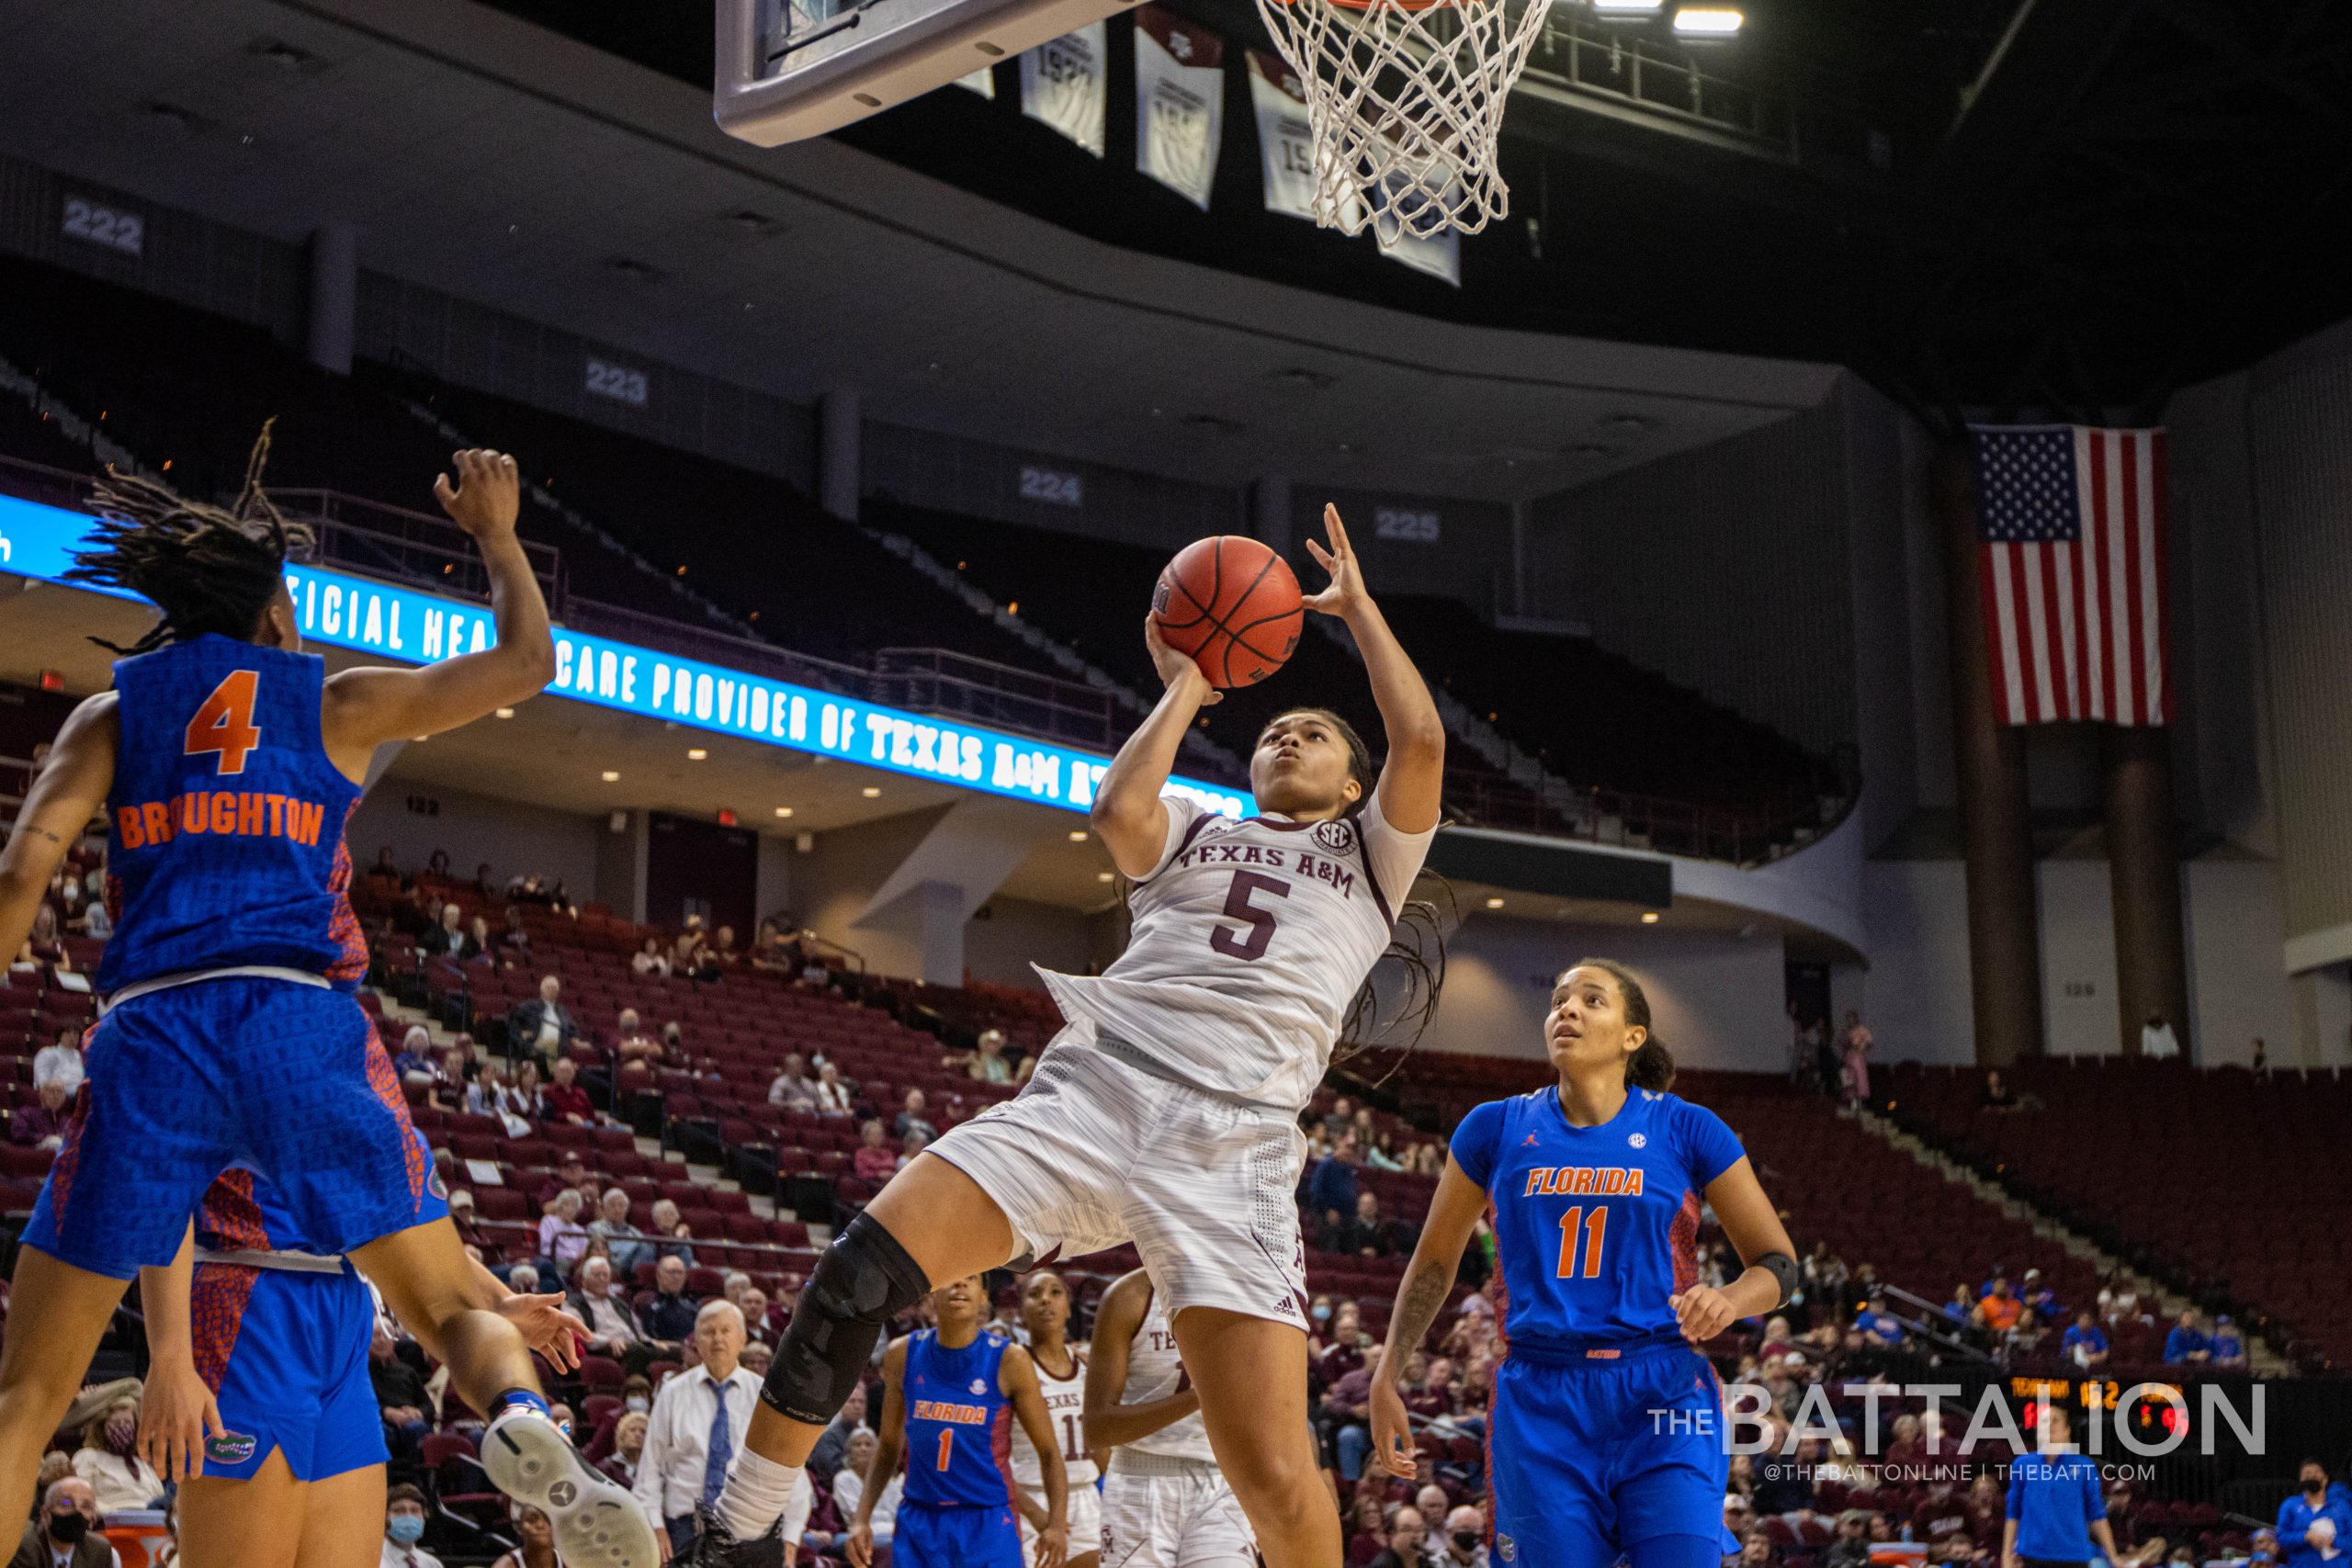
(1405, 99)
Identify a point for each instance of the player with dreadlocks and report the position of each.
(227, 761)
(1166, 1114)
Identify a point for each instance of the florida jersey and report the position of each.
(1066, 1413)
(1250, 939)
(228, 844)
(1595, 1228)
(959, 1424)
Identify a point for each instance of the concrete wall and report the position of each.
(511, 836)
(1010, 934)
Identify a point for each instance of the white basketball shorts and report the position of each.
(1094, 1153)
(1085, 1525)
(1179, 1515)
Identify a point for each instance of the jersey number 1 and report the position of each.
(223, 726)
(1569, 1223)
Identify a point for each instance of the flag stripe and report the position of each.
(2062, 593)
(2094, 577)
(2151, 660)
(2161, 711)
(2119, 586)
(2000, 626)
(2030, 559)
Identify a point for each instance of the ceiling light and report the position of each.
(1102, 877)
(1627, 8)
(506, 713)
(1650, 917)
(1494, 903)
(784, 811)
(871, 792)
(1077, 835)
(695, 753)
(611, 777)
(1708, 21)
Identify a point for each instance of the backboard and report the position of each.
(793, 69)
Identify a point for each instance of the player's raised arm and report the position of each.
(891, 1441)
(1454, 1214)
(366, 707)
(1128, 814)
(1017, 1377)
(1108, 1423)
(1413, 777)
(69, 790)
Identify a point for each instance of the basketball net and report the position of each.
(1405, 99)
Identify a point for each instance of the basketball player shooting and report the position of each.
(1166, 1112)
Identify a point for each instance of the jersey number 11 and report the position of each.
(1593, 1232)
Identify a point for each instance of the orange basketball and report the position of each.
(1231, 603)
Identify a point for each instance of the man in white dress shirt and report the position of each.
(695, 1429)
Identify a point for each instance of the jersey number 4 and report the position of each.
(223, 726)
(1238, 907)
(1570, 1224)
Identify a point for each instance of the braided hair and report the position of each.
(209, 568)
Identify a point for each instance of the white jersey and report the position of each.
(1066, 1413)
(1156, 1371)
(1249, 940)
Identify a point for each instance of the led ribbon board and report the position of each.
(399, 623)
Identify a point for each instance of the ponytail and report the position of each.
(1651, 1067)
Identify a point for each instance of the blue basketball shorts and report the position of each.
(286, 1080)
(285, 1353)
(930, 1535)
(1588, 1458)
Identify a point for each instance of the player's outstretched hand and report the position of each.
(1347, 591)
(546, 1328)
(858, 1545)
(1702, 1311)
(1175, 667)
(175, 1415)
(488, 496)
(1392, 1430)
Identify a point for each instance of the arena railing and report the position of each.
(934, 680)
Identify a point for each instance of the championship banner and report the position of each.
(1286, 144)
(1180, 103)
(1062, 85)
(982, 82)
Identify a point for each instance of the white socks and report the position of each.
(755, 1495)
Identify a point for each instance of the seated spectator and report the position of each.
(43, 1126)
(60, 1061)
(400, 1395)
(1997, 1313)
(792, 1087)
(835, 1094)
(64, 1533)
(651, 959)
(1403, 1538)
(688, 954)
(612, 1331)
(515, 941)
(524, 1096)
(986, 1060)
(1379, 1151)
(849, 1487)
(833, 1443)
(632, 1047)
(2187, 1343)
(623, 1241)
(1345, 1344)
(723, 954)
(1851, 1546)
(387, 870)
(403, 1528)
(2036, 1294)
(629, 1447)
(2027, 1336)
(450, 939)
(480, 948)
(523, 1279)
(674, 1045)
(2227, 1349)
(414, 1062)
(1466, 1538)
(96, 920)
(2085, 1344)
(1997, 1095)
(541, 1025)
(675, 1232)
(2119, 1300)
(914, 1118)
(874, 1161)
(757, 1328)
(668, 1319)
(563, 1240)
(1331, 1184)
(451, 1079)
(564, 1100)
(108, 1460)
(1877, 1328)
(470, 1230)
(570, 1170)
(1366, 1234)
(914, 1145)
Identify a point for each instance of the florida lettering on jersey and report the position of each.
(1249, 940)
(1596, 1227)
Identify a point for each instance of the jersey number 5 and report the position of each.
(223, 726)
(1238, 907)
(1569, 1225)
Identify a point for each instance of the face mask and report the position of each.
(1465, 1540)
(69, 1528)
(636, 1403)
(1322, 1314)
(405, 1529)
(121, 1433)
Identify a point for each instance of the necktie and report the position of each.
(722, 1445)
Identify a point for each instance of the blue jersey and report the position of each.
(1595, 1226)
(228, 844)
(2055, 1498)
(959, 1424)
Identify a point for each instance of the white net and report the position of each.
(1406, 100)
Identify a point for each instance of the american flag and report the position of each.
(2071, 564)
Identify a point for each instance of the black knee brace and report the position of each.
(861, 1281)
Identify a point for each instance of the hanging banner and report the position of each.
(1180, 102)
(982, 82)
(1285, 142)
(1062, 85)
(1440, 257)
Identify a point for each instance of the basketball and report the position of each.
(1231, 603)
